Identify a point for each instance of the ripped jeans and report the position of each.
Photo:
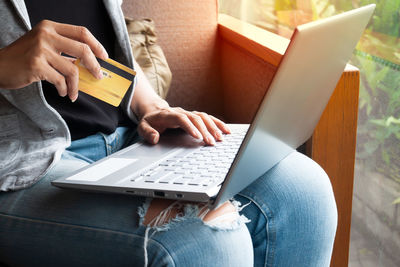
(288, 218)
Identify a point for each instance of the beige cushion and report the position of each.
(187, 32)
(149, 54)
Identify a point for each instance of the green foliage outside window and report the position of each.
(378, 57)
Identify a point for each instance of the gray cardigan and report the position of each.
(32, 134)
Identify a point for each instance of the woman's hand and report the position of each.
(37, 56)
(197, 124)
(155, 115)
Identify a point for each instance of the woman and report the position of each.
(287, 217)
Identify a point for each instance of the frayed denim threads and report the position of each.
(191, 212)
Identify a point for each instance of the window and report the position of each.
(375, 233)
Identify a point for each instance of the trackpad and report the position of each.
(170, 141)
(147, 150)
(101, 170)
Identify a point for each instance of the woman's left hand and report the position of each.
(200, 125)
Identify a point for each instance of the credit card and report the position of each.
(112, 87)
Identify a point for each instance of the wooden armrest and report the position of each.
(249, 59)
(261, 43)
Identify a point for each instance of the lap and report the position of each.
(76, 226)
(66, 221)
(50, 203)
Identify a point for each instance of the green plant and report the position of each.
(386, 16)
(379, 123)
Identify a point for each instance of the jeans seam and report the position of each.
(117, 139)
(268, 249)
(88, 228)
(107, 145)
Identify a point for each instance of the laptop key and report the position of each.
(180, 181)
(182, 172)
(156, 176)
(177, 164)
(137, 178)
(207, 182)
(197, 181)
(167, 179)
(203, 167)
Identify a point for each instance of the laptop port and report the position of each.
(130, 191)
(179, 195)
(159, 194)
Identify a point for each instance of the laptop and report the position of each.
(181, 167)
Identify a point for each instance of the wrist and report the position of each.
(149, 107)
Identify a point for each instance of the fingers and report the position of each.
(153, 124)
(197, 124)
(71, 59)
(221, 125)
(180, 120)
(54, 77)
(210, 124)
(148, 133)
(175, 119)
(45, 43)
(75, 41)
(79, 50)
(70, 72)
(200, 123)
(82, 35)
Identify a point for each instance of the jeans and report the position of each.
(291, 215)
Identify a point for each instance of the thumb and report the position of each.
(148, 133)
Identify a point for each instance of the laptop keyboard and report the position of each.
(205, 166)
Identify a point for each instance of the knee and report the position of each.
(169, 209)
(318, 193)
(299, 190)
(311, 195)
(193, 243)
(198, 237)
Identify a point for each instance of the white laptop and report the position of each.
(181, 167)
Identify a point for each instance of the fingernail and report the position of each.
(100, 75)
(197, 134)
(210, 140)
(219, 135)
(105, 54)
(227, 129)
(74, 99)
(154, 138)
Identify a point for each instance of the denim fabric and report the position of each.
(98, 146)
(293, 214)
(291, 208)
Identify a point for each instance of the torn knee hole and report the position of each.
(160, 212)
(156, 215)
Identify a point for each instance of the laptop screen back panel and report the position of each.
(298, 94)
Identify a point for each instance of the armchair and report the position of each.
(224, 66)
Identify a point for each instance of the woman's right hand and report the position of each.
(37, 56)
